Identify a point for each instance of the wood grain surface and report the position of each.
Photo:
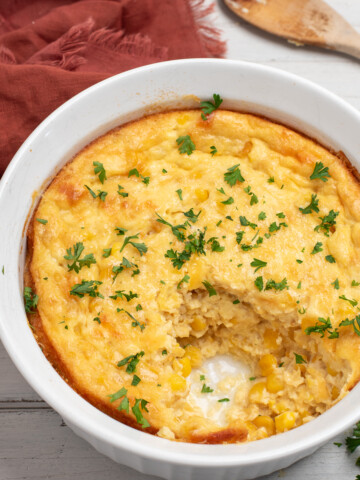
(35, 443)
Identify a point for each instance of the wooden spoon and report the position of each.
(300, 21)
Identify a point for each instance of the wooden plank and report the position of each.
(37, 444)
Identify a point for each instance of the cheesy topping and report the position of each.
(182, 237)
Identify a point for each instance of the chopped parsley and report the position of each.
(107, 252)
(327, 224)
(131, 361)
(123, 265)
(312, 207)
(140, 247)
(77, 263)
(140, 404)
(330, 259)
(178, 258)
(122, 194)
(193, 217)
(213, 150)
(179, 192)
(164, 171)
(86, 287)
(257, 264)
(119, 394)
(320, 172)
(121, 294)
(208, 107)
(271, 284)
(138, 307)
(120, 230)
(135, 381)
(100, 171)
(211, 290)
(224, 400)
(206, 389)
(274, 227)
(97, 319)
(135, 172)
(271, 180)
(355, 323)
(100, 194)
(236, 302)
(229, 201)
(353, 442)
(323, 326)
(175, 229)
(262, 216)
(239, 237)
(135, 322)
(233, 175)
(30, 300)
(164, 352)
(336, 284)
(215, 245)
(254, 199)
(186, 145)
(354, 283)
(202, 378)
(353, 302)
(337, 444)
(259, 283)
(41, 220)
(299, 261)
(299, 359)
(245, 223)
(317, 248)
(185, 279)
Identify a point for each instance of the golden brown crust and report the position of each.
(284, 146)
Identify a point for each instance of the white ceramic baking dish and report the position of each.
(244, 86)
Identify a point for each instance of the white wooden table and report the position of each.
(34, 441)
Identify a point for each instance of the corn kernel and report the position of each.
(250, 427)
(265, 421)
(257, 392)
(202, 194)
(182, 119)
(270, 337)
(335, 392)
(267, 364)
(177, 383)
(182, 366)
(273, 383)
(194, 355)
(198, 324)
(285, 421)
(331, 371)
(115, 250)
(196, 271)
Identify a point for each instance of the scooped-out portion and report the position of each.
(194, 274)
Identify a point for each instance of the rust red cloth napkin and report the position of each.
(50, 50)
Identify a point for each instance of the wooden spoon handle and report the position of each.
(349, 44)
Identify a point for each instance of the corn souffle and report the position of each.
(194, 274)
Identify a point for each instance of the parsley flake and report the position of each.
(259, 283)
(30, 300)
(131, 361)
(330, 259)
(185, 279)
(224, 400)
(208, 107)
(213, 150)
(179, 192)
(140, 404)
(336, 284)
(229, 201)
(122, 194)
(206, 389)
(320, 172)
(299, 359)
(101, 195)
(257, 264)
(135, 381)
(353, 303)
(355, 322)
(86, 287)
(100, 171)
(245, 223)
(211, 290)
(41, 220)
(317, 248)
(262, 216)
(323, 326)
(233, 175)
(328, 223)
(77, 263)
(140, 247)
(186, 145)
(312, 207)
(193, 217)
(354, 283)
(107, 252)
